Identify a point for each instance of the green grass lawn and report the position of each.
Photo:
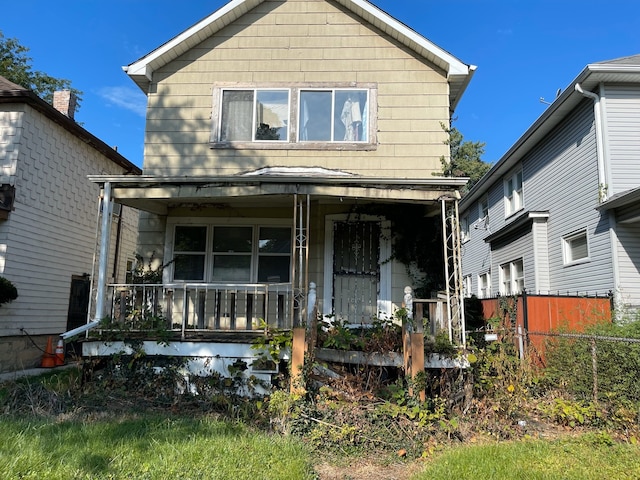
(588, 457)
(146, 448)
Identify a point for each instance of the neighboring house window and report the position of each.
(464, 228)
(575, 247)
(483, 207)
(466, 286)
(129, 273)
(513, 199)
(484, 285)
(238, 253)
(290, 116)
(512, 277)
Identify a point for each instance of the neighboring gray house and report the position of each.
(560, 211)
(48, 220)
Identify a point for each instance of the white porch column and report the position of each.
(103, 259)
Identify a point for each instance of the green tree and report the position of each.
(15, 66)
(466, 158)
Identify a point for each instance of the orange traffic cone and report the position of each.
(60, 353)
(49, 357)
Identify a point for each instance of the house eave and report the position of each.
(458, 73)
(523, 220)
(589, 79)
(622, 199)
(29, 98)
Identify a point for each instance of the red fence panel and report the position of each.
(550, 313)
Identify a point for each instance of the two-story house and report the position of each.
(559, 212)
(282, 138)
(48, 220)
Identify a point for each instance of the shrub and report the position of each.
(8, 292)
(570, 360)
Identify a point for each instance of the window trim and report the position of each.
(467, 286)
(294, 95)
(566, 247)
(465, 232)
(513, 279)
(487, 276)
(254, 223)
(510, 208)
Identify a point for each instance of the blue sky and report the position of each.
(524, 50)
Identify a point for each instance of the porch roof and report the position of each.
(158, 194)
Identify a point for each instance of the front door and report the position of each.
(356, 270)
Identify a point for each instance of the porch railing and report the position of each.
(192, 307)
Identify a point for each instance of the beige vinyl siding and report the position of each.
(51, 233)
(276, 43)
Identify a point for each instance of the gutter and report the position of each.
(597, 113)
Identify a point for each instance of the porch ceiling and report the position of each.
(159, 195)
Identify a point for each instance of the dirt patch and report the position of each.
(367, 469)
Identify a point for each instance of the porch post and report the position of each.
(105, 235)
(300, 260)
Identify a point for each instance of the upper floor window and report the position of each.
(335, 115)
(483, 208)
(513, 199)
(254, 115)
(464, 228)
(295, 117)
(575, 247)
(512, 277)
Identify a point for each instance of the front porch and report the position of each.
(274, 238)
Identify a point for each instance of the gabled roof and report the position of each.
(618, 70)
(13, 93)
(459, 74)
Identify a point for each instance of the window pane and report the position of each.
(188, 267)
(190, 239)
(273, 269)
(315, 116)
(272, 115)
(232, 268)
(237, 115)
(275, 240)
(350, 116)
(232, 239)
(578, 248)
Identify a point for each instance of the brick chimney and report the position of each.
(65, 102)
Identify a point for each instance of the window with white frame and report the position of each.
(512, 277)
(575, 247)
(466, 286)
(464, 228)
(292, 116)
(232, 253)
(513, 199)
(483, 207)
(484, 285)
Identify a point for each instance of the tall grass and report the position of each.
(147, 448)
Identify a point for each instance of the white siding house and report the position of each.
(575, 224)
(48, 219)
